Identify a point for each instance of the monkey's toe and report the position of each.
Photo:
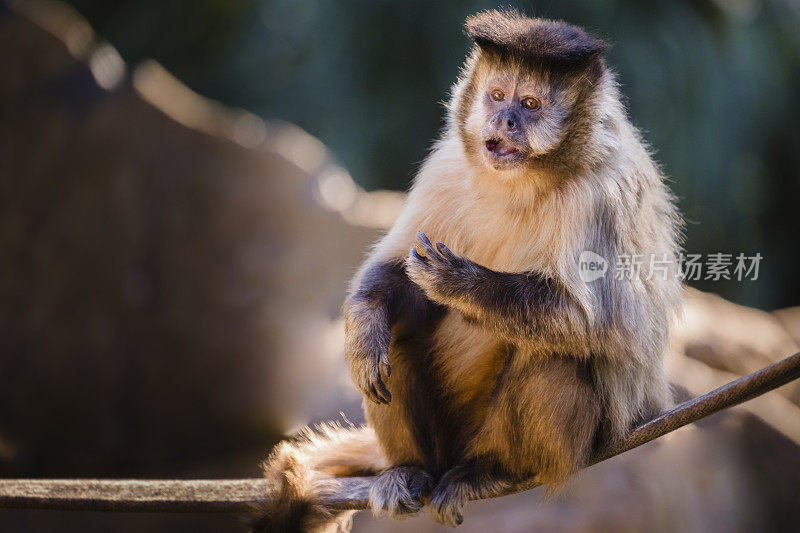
(447, 505)
(398, 491)
(419, 482)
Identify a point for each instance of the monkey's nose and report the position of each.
(511, 124)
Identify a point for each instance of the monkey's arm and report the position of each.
(518, 307)
(382, 296)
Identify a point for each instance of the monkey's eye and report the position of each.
(498, 95)
(529, 103)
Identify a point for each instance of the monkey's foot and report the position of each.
(398, 491)
(450, 496)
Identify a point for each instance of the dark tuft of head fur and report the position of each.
(548, 43)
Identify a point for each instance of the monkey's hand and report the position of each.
(436, 270)
(367, 350)
(516, 306)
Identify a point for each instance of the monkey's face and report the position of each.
(517, 117)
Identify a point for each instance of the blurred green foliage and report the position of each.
(714, 85)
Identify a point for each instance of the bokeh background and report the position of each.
(714, 85)
(186, 187)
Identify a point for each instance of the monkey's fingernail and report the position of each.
(383, 393)
(424, 239)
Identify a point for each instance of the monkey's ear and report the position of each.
(547, 42)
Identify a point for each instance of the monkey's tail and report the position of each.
(304, 470)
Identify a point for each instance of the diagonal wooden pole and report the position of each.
(240, 495)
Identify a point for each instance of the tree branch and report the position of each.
(240, 495)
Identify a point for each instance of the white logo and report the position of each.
(591, 266)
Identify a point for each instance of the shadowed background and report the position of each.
(186, 188)
(713, 84)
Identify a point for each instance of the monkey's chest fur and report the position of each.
(459, 393)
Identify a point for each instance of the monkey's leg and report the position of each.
(517, 307)
(477, 478)
(398, 491)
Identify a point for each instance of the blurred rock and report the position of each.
(734, 338)
(789, 319)
(171, 275)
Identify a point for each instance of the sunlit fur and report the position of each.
(486, 384)
(303, 472)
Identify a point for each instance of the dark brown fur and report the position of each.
(542, 44)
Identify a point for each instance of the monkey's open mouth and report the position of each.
(500, 147)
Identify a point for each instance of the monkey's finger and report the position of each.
(385, 370)
(426, 243)
(375, 394)
(445, 251)
(418, 254)
(371, 395)
(383, 393)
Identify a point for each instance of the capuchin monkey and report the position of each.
(484, 357)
